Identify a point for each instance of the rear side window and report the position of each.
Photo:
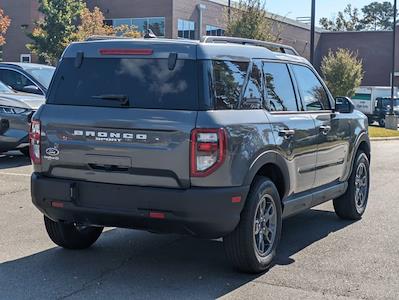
(146, 83)
(280, 95)
(312, 91)
(228, 81)
(253, 98)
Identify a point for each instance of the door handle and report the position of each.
(325, 129)
(286, 133)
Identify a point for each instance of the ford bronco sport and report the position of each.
(217, 138)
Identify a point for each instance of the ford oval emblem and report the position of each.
(52, 152)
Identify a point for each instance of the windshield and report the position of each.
(386, 102)
(4, 88)
(43, 75)
(126, 82)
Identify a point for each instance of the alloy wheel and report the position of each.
(265, 226)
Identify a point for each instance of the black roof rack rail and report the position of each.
(275, 47)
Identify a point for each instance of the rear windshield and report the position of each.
(146, 83)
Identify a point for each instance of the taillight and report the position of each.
(34, 142)
(208, 151)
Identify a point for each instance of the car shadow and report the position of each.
(13, 159)
(303, 230)
(133, 264)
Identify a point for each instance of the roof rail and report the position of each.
(105, 37)
(275, 47)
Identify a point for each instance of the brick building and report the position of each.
(195, 18)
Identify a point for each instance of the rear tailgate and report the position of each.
(122, 112)
(117, 145)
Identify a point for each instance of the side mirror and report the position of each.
(344, 105)
(32, 89)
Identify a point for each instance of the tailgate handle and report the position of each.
(109, 168)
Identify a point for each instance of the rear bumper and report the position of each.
(204, 212)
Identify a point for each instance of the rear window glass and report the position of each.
(253, 98)
(228, 81)
(146, 83)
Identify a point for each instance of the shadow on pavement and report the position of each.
(13, 160)
(305, 229)
(133, 264)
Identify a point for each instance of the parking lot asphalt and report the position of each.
(320, 256)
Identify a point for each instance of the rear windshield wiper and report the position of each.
(123, 99)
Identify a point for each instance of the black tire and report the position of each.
(25, 151)
(381, 122)
(68, 236)
(240, 244)
(347, 206)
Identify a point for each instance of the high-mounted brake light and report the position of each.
(34, 142)
(126, 51)
(208, 151)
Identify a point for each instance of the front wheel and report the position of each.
(251, 247)
(352, 205)
(71, 236)
(381, 122)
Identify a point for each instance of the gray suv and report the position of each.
(217, 138)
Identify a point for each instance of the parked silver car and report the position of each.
(16, 110)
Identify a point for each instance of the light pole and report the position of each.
(393, 55)
(312, 31)
(229, 9)
(391, 119)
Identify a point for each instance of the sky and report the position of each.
(301, 8)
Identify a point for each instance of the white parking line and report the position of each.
(14, 174)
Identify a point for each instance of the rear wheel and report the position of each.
(352, 205)
(251, 247)
(381, 122)
(71, 236)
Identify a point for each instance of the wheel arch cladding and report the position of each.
(365, 147)
(363, 144)
(271, 165)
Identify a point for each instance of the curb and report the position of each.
(379, 139)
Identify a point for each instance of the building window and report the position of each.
(1, 53)
(26, 58)
(186, 29)
(214, 31)
(156, 24)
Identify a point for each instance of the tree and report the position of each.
(378, 16)
(92, 23)
(348, 20)
(375, 16)
(249, 19)
(127, 31)
(343, 72)
(5, 22)
(56, 30)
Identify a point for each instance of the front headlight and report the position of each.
(14, 110)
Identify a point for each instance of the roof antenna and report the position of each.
(149, 34)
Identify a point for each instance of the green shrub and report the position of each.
(343, 72)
